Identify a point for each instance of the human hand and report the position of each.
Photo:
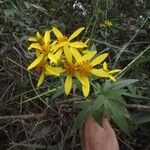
(95, 137)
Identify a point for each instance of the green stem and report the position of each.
(134, 60)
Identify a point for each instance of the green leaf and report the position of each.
(132, 89)
(107, 108)
(142, 117)
(96, 114)
(97, 88)
(98, 102)
(97, 108)
(83, 104)
(81, 118)
(118, 116)
(123, 83)
(114, 93)
(107, 86)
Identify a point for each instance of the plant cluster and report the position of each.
(68, 57)
(120, 28)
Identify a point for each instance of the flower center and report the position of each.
(46, 49)
(70, 68)
(62, 39)
(84, 68)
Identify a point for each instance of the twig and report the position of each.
(76, 99)
(137, 106)
(127, 145)
(25, 116)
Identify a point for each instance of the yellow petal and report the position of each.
(112, 78)
(86, 88)
(99, 72)
(114, 71)
(57, 46)
(58, 53)
(47, 38)
(86, 42)
(76, 55)
(105, 66)
(86, 51)
(99, 59)
(38, 35)
(89, 55)
(35, 46)
(37, 53)
(53, 70)
(52, 57)
(68, 54)
(57, 33)
(32, 39)
(68, 84)
(58, 70)
(45, 58)
(81, 79)
(36, 62)
(77, 44)
(53, 45)
(76, 33)
(41, 79)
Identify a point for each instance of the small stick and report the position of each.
(25, 116)
(137, 106)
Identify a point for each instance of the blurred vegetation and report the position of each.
(127, 40)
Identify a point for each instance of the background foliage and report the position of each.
(47, 123)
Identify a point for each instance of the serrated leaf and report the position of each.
(107, 108)
(107, 86)
(114, 93)
(98, 102)
(123, 83)
(118, 116)
(96, 115)
(81, 118)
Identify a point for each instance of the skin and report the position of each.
(95, 137)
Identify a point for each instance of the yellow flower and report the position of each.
(70, 69)
(37, 61)
(107, 23)
(45, 69)
(43, 48)
(64, 43)
(42, 44)
(109, 73)
(85, 66)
